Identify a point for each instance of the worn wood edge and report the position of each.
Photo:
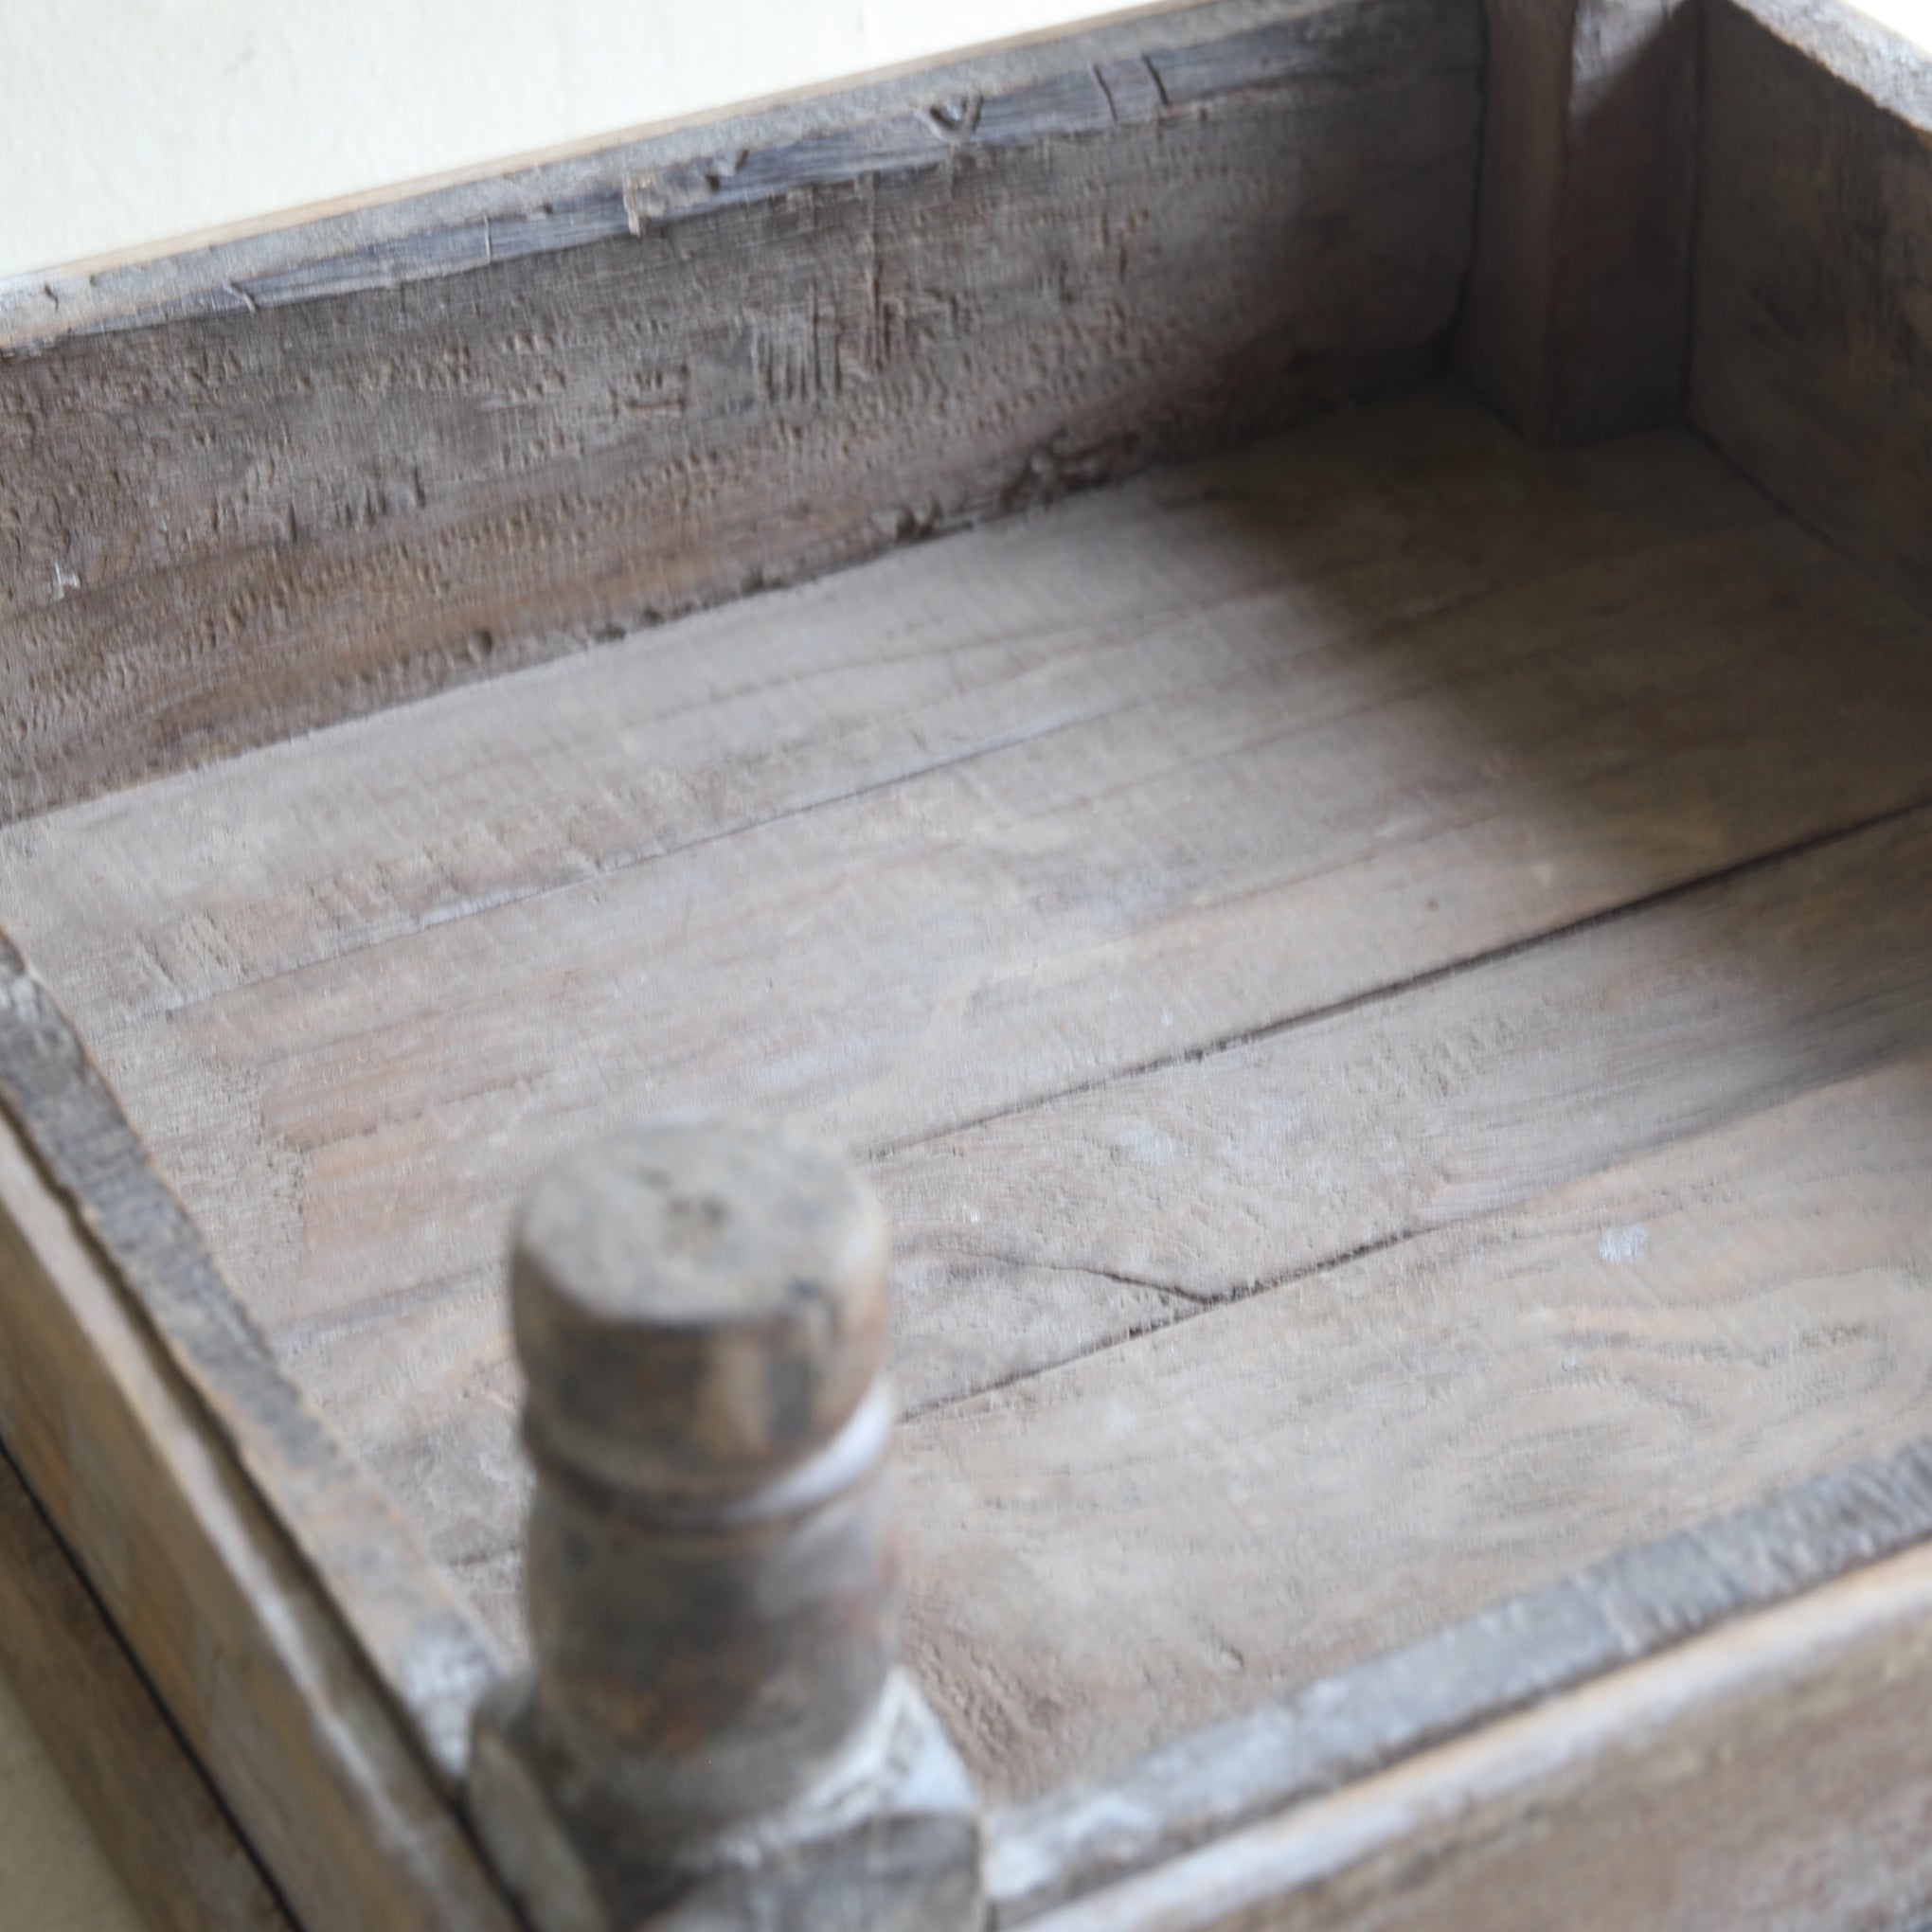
(430, 1657)
(1852, 48)
(1779, 1766)
(1636, 1606)
(250, 1660)
(166, 1833)
(1007, 91)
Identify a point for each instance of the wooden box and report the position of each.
(1276, 657)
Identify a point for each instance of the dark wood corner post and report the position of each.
(1576, 323)
(715, 1731)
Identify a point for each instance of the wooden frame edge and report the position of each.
(606, 185)
(431, 1656)
(1635, 1607)
(1715, 1779)
(159, 1822)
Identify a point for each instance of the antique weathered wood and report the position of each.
(1811, 364)
(1385, 978)
(245, 1651)
(1774, 1773)
(1285, 1484)
(1576, 320)
(1638, 1603)
(429, 1655)
(366, 461)
(1215, 743)
(167, 1837)
(713, 1731)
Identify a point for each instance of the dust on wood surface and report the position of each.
(1127, 883)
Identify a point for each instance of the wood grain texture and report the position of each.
(1576, 320)
(1772, 1774)
(1812, 362)
(251, 1665)
(1252, 1499)
(162, 1827)
(429, 1656)
(1129, 875)
(1345, 1728)
(771, 348)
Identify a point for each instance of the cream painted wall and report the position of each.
(53, 1877)
(126, 122)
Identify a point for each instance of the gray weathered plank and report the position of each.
(801, 345)
(428, 1653)
(1162, 1535)
(161, 1827)
(1637, 1604)
(1811, 359)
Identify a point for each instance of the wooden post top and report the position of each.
(714, 1731)
(699, 1306)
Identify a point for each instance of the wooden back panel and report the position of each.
(287, 480)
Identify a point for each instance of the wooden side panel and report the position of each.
(144, 1797)
(1508, 1659)
(1774, 1776)
(1577, 318)
(765, 354)
(1812, 363)
(231, 1630)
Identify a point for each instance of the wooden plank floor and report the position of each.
(1385, 980)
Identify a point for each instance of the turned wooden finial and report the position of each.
(714, 1730)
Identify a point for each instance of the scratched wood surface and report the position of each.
(1379, 979)
(282, 481)
(1575, 317)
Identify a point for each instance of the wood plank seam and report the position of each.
(233, 527)
(1435, 976)
(484, 904)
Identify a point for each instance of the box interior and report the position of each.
(1382, 980)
